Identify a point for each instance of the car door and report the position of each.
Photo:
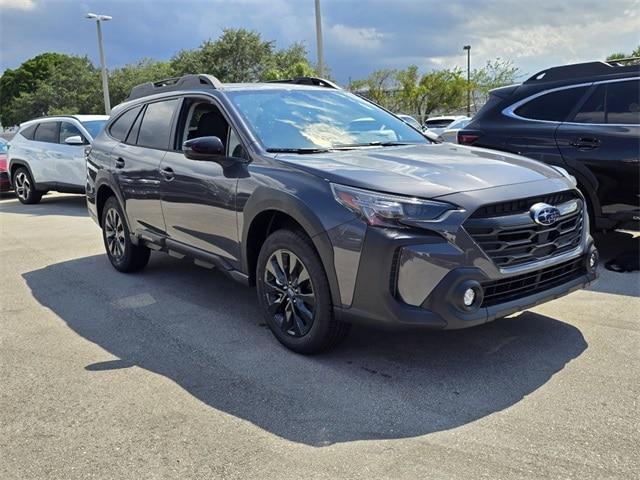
(70, 163)
(42, 156)
(602, 142)
(198, 197)
(136, 161)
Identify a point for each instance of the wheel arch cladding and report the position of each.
(266, 211)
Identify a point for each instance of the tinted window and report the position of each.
(29, 131)
(555, 106)
(156, 124)
(121, 126)
(47, 132)
(68, 130)
(623, 102)
(3, 146)
(593, 109)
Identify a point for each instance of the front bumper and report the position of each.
(407, 280)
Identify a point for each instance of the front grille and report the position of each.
(517, 240)
(513, 288)
(522, 205)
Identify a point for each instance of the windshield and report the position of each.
(319, 119)
(94, 127)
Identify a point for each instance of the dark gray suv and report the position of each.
(336, 209)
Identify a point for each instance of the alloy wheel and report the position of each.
(114, 233)
(23, 186)
(289, 293)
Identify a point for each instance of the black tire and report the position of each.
(123, 254)
(25, 187)
(289, 318)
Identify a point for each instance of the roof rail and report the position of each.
(622, 62)
(318, 82)
(175, 83)
(577, 70)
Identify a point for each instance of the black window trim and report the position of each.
(510, 110)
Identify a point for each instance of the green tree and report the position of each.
(122, 80)
(619, 55)
(49, 84)
(240, 55)
(496, 73)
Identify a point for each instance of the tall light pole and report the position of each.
(103, 64)
(319, 40)
(468, 49)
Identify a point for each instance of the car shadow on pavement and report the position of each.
(204, 332)
(66, 205)
(613, 245)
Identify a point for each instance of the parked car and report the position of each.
(450, 135)
(437, 125)
(48, 154)
(271, 184)
(5, 183)
(584, 118)
(410, 120)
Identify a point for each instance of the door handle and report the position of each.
(120, 162)
(167, 173)
(586, 143)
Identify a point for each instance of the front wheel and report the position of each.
(294, 294)
(123, 254)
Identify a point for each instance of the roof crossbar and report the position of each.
(577, 70)
(176, 83)
(316, 81)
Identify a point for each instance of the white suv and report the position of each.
(48, 154)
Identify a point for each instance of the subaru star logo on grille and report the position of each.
(544, 214)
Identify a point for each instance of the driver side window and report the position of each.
(201, 119)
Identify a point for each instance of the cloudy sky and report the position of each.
(360, 35)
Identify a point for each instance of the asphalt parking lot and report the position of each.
(171, 373)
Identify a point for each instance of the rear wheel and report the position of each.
(25, 187)
(294, 294)
(122, 253)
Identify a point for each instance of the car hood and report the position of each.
(422, 170)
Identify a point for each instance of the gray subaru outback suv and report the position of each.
(338, 211)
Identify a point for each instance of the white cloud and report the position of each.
(363, 38)
(18, 4)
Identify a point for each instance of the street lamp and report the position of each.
(468, 49)
(105, 80)
(319, 45)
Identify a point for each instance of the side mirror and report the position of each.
(203, 148)
(74, 140)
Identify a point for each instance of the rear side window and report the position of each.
(47, 132)
(623, 102)
(29, 131)
(156, 124)
(554, 106)
(593, 109)
(69, 130)
(122, 125)
(616, 103)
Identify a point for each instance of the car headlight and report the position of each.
(384, 210)
(567, 175)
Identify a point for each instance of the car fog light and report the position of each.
(469, 297)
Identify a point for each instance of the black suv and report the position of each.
(336, 209)
(584, 118)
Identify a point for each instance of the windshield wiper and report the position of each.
(371, 144)
(300, 151)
